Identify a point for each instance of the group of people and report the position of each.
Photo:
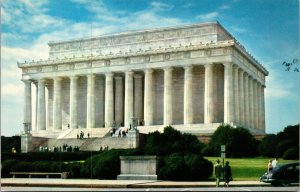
(103, 148)
(81, 135)
(64, 148)
(220, 171)
(272, 164)
(121, 133)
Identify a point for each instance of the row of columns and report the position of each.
(243, 98)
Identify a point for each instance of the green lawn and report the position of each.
(247, 168)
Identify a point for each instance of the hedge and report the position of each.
(41, 166)
(49, 156)
(178, 167)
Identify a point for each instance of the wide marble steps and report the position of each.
(93, 132)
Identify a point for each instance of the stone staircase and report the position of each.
(60, 142)
(94, 132)
(111, 142)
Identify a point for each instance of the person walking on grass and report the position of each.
(227, 174)
(218, 172)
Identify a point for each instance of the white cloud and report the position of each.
(208, 16)
(158, 6)
(278, 88)
(187, 5)
(225, 7)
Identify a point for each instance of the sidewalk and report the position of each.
(41, 182)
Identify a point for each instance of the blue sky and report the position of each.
(268, 29)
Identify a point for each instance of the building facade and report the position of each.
(192, 77)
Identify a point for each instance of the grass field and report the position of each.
(247, 168)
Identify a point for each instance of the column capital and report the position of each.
(74, 77)
(129, 72)
(189, 67)
(91, 75)
(168, 68)
(26, 81)
(57, 78)
(109, 74)
(209, 65)
(228, 64)
(149, 70)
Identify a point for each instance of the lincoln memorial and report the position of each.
(193, 78)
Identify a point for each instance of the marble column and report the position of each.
(228, 93)
(263, 108)
(50, 106)
(35, 128)
(119, 100)
(256, 101)
(246, 100)
(168, 105)
(27, 105)
(109, 100)
(128, 112)
(251, 103)
(57, 105)
(41, 106)
(188, 95)
(148, 97)
(73, 102)
(241, 97)
(138, 96)
(90, 114)
(209, 94)
(236, 93)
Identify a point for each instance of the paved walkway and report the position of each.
(41, 182)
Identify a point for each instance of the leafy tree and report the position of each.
(279, 144)
(239, 142)
(267, 146)
(171, 141)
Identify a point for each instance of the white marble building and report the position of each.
(191, 77)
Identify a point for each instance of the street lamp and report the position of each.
(27, 127)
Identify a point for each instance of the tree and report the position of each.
(239, 142)
(171, 141)
(284, 144)
(294, 65)
(267, 146)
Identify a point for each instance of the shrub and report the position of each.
(239, 142)
(7, 143)
(49, 156)
(171, 141)
(74, 170)
(199, 168)
(6, 167)
(291, 154)
(174, 168)
(267, 146)
(107, 164)
(179, 167)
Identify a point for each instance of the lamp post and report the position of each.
(27, 127)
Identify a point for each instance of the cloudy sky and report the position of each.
(269, 29)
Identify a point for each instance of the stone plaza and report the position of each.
(193, 78)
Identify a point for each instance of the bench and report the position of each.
(62, 175)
